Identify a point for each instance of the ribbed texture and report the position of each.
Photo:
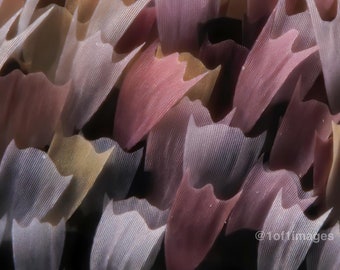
(38, 246)
(272, 57)
(29, 125)
(178, 22)
(116, 177)
(124, 239)
(152, 216)
(195, 220)
(293, 148)
(74, 156)
(325, 254)
(328, 41)
(220, 155)
(9, 46)
(258, 193)
(300, 22)
(204, 185)
(30, 184)
(89, 64)
(287, 252)
(26, 15)
(5, 28)
(113, 18)
(50, 35)
(165, 147)
(145, 97)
